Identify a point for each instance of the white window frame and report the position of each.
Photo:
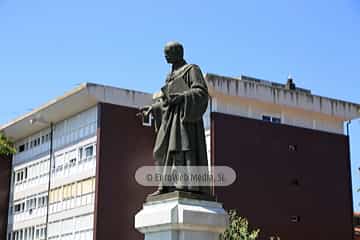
(272, 117)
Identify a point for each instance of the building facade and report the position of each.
(291, 157)
(61, 205)
(73, 174)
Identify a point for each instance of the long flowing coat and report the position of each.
(180, 128)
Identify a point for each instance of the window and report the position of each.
(31, 204)
(276, 120)
(18, 177)
(292, 148)
(295, 219)
(56, 195)
(45, 200)
(71, 158)
(86, 186)
(40, 232)
(59, 162)
(59, 194)
(268, 118)
(80, 153)
(72, 162)
(78, 189)
(83, 187)
(73, 190)
(89, 151)
(42, 201)
(22, 148)
(27, 232)
(16, 235)
(21, 175)
(19, 207)
(67, 192)
(85, 153)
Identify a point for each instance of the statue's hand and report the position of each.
(144, 111)
(176, 99)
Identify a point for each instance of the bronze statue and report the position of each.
(178, 112)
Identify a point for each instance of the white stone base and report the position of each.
(181, 219)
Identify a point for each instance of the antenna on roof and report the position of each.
(290, 85)
(289, 76)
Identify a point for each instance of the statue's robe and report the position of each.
(180, 139)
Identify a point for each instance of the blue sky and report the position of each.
(48, 47)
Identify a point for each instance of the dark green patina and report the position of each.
(178, 113)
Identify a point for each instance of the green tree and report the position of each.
(238, 229)
(6, 146)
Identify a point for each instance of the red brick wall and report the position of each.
(264, 191)
(123, 146)
(5, 177)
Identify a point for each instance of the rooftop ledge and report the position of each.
(275, 93)
(85, 96)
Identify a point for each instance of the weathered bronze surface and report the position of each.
(178, 113)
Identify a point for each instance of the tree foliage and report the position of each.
(238, 229)
(6, 146)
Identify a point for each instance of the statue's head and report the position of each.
(174, 52)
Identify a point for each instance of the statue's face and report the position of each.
(172, 54)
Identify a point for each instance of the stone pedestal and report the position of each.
(181, 216)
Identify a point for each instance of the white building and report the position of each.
(71, 193)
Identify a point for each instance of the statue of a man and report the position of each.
(178, 113)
